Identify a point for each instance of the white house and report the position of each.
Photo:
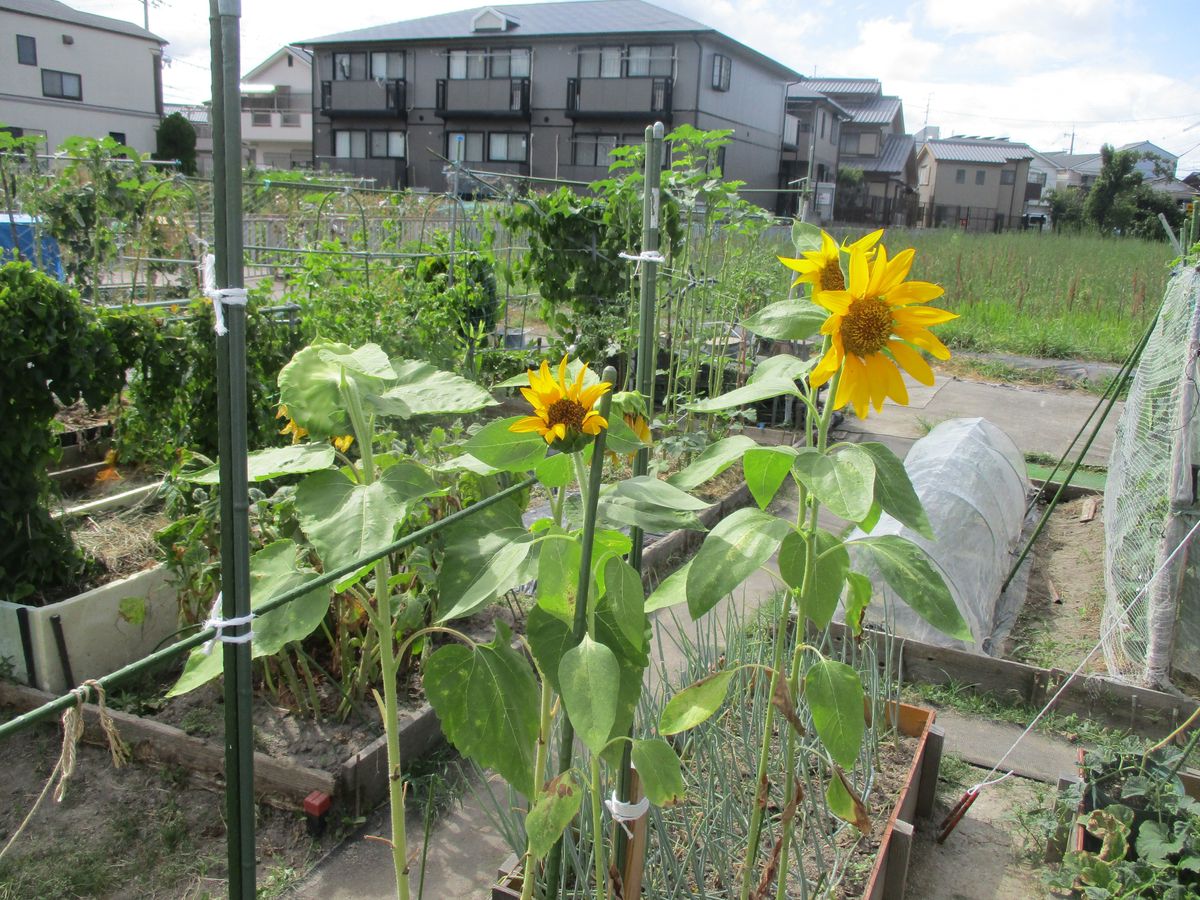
(64, 72)
(277, 111)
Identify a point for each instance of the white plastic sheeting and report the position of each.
(972, 480)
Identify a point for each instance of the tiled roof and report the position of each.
(978, 151)
(877, 111)
(800, 93)
(896, 150)
(845, 85)
(60, 12)
(597, 17)
(197, 114)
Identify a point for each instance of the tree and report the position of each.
(1066, 208)
(1111, 202)
(177, 140)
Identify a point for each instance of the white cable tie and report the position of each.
(645, 256)
(220, 297)
(215, 621)
(623, 812)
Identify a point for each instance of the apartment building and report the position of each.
(64, 72)
(277, 111)
(539, 90)
(978, 184)
(812, 128)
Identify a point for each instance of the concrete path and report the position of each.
(465, 850)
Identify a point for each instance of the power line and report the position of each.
(1059, 121)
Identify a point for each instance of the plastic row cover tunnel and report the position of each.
(971, 479)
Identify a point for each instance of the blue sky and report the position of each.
(1111, 70)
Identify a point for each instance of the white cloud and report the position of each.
(888, 49)
(1064, 18)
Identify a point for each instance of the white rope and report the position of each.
(220, 297)
(645, 256)
(215, 621)
(623, 813)
(1116, 623)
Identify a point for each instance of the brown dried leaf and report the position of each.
(782, 699)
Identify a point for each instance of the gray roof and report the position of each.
(845, 85)
(877, 111)
(978, 151)
(897, 148)
(1148, 147)
(598, 17)
(801, 93)
(196, 113)
(60, 12)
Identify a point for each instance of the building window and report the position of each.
(1037, 178)
(507, 147)
(349, 67)
(849, 144)
(722, 66)
(923, 175)
(291, 62)
(64, 85)
(464, 146)
(960, 177)
(289, 120)
(466, 64)
(350, 144)
(594, 149)
(118, 136)
(1008, 176)
(387, 65)
(510, 63)
(387, 144)
(260, 118)
(599, 62)
(822, 117)
(26, 50)
(980, 176)
(647, 60)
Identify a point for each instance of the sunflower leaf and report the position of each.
(787, 320)
(843, 481)
(507, 450)
(716, 458)
(746, 395)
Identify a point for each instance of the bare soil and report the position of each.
(1060, 621)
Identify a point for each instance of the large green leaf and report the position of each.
(765, 469)
(549, 637)
(843, 481)
(835, 699)
(275, 462)
(739, 544)
(620, 438)
(672, 591)
(907, 569)
(273, 570)
(347, 521)
(696, 703)
(716, 458)
(782, 365)
(829, 576)
(649, 504)
(624, 591)
(422, 390)
(845, 803)
(479, 567)
(310, 384)
(894, 491)
(858, 598)
(746, 395)
(553, 809)
(555, 471)
(488, 702)
(506, 450)
(806, 236)
(558, 574)
(652, 491)
(589, 678)
(660, 772)
(788, 320)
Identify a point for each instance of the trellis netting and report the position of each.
(971, 479)
(1151, 623)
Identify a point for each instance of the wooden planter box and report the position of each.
(890, 873)
(99, 634)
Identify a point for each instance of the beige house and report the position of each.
(64, 72)
(977, 184)
(277, 111)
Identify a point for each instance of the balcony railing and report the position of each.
(278, 102)
(267, 118)
(619, 98)
(385, 98)
(384, 172)
(483, 98)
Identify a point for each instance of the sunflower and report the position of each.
(873, 326)
(823, 268)
(563, 413)
(297, 432)
(638, 425)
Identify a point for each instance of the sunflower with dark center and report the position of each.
(563, 413)
(875, 326)
(823, 268)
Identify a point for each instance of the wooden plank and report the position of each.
(899, 851)
(284, 783)
(1089, 509)
(930, 767)
(362, 780)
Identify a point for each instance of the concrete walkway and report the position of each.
(465, 850)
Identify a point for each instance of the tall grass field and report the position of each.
(1048, 295)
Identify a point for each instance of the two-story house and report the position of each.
(277, 111)
(872, 141)
(973, 183)
(64, 72)
(541, 90)
(811, 130)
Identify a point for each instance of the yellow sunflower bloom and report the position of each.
(874, 325)
(291, 427)
(563, 413)
(342, 442)
(823, 268)
(639, 426)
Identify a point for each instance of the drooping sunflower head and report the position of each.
(823, 268)
(877, 324)
(298, 433)
(562, 407)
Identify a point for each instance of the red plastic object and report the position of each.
(955, 815)
(317, 804)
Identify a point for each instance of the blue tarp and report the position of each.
(26, 227)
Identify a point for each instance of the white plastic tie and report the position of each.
(645, 256)
(624, 813)
(220, 297)
(215, 621)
